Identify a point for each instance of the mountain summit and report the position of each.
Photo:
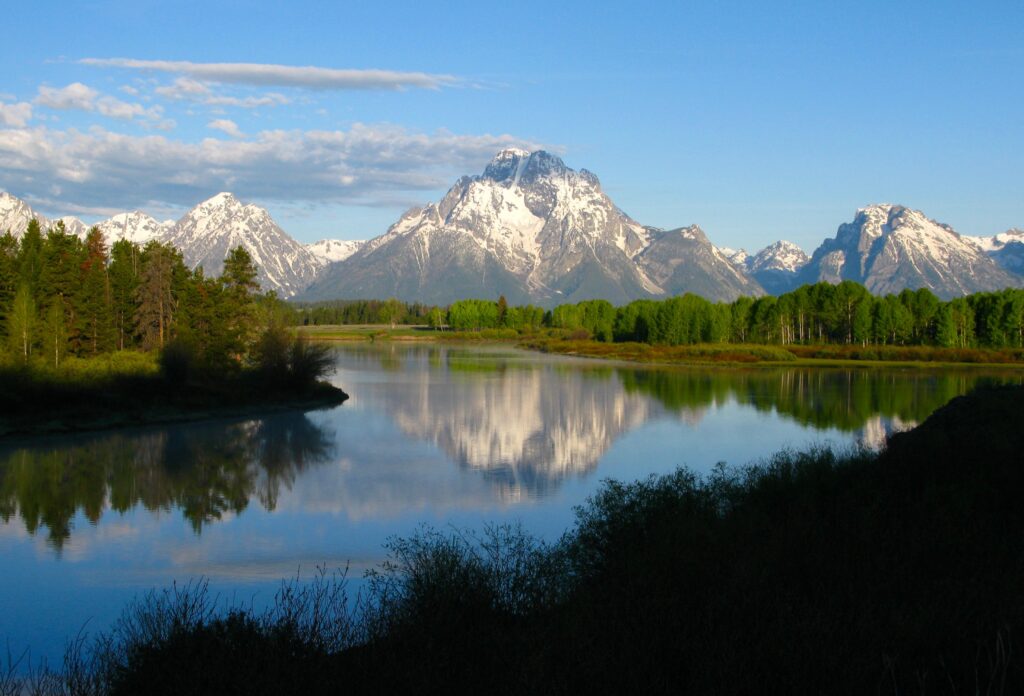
(534, 230)
(889, 247)
(210, 230)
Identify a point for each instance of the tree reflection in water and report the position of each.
(206, 469)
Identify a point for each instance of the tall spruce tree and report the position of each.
(8, 276)
(94, 297)
(60, 278)
(30, 256)
(124, 273)
(155, 298)
(240, 288)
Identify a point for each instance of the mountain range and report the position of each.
(534, 230)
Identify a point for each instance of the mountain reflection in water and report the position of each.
(515, 425)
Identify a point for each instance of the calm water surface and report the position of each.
(431, 435)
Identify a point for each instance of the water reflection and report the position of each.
(206, 470)
(436, 427)
(527, 423)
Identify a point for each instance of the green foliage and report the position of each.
(473, 315)
(21, 324)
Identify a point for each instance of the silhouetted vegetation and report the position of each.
(811, 572)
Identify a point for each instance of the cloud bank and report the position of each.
(263, 74)
(363, 165)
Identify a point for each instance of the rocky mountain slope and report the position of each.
(775, 267)
(889, 248)
(333, 250)
(209, 231)
(533, 230)
(136, 227)
(536, 231)
(1006, 249)
(15, 215)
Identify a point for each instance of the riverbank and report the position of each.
(724, 355)
(43, 402)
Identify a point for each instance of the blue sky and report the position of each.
(757, 121)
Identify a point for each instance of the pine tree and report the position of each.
(125, 266)
(154, 296)
(8, 274)
(240, 286)
(30, 256)
(94, 297)
(60, 278)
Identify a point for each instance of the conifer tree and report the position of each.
(240, 288)
(94, 298)
(30, 256)
(155, 299)
(125, 266)
(8, 274)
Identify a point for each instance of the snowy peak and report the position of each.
(534, 230)
(210, 230)
(15, 215)
(507, 165)
(891, 247)
(780, 256)
(74, 226)
(513, 167)
(333, 250)
(135, 227)
(1006, 249)
(998, 241)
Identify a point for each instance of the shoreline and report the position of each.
(74, 422)
(692, 355)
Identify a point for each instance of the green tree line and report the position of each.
(63, 296)
(845, 314)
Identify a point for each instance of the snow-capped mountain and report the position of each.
(332, 250)
(1006, 249)
(209, 231)
(776, 266)
(737, 257)
(136, 227)
(533, 230)
(73, 225)
(889, 248)
(15, 215)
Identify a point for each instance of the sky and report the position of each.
(756, 120)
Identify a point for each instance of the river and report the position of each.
(447, 436)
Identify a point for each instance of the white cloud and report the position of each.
(79, 97)
(184, 88)
(15, 114)
(74, 96)
(306, 77)
(227, 126)
(363, 165)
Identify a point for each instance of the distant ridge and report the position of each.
(534, 230)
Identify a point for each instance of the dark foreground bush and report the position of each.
(812, 572)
